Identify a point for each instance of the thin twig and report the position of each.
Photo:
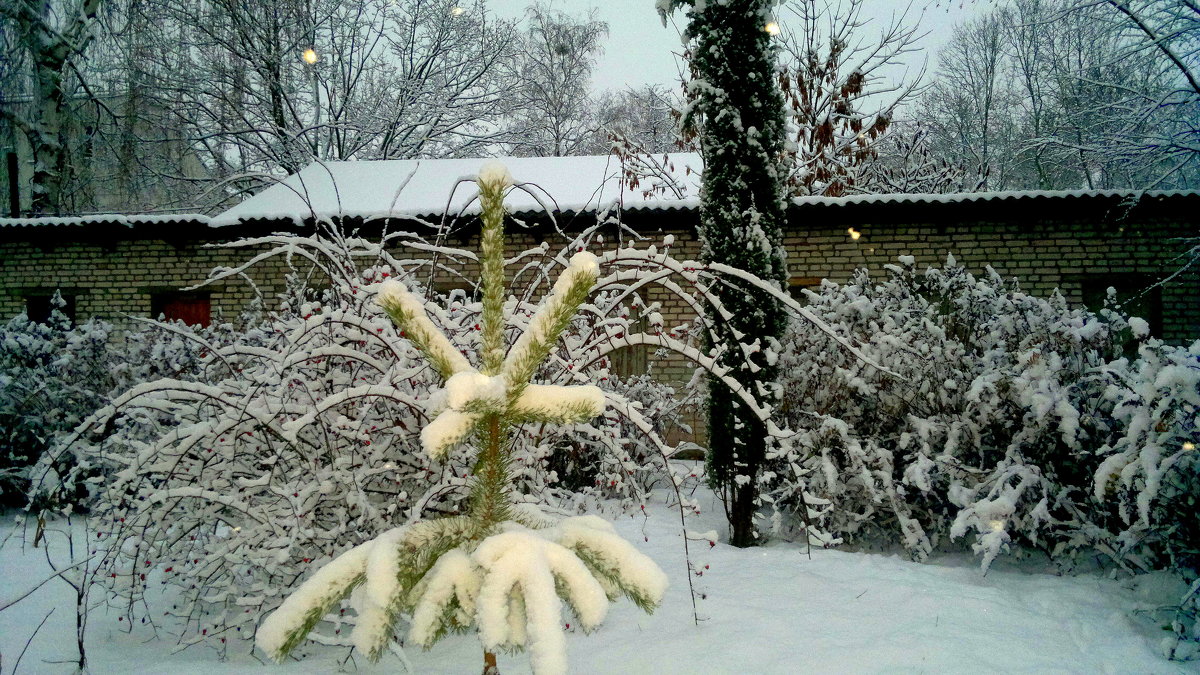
(28, 642)
(41, 583)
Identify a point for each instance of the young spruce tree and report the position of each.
(502, 568)
(739, 112)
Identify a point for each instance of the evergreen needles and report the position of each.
(498, 568)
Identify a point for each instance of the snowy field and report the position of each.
(765, 610)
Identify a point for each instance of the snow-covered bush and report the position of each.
(56, 374)
(52, 375)
(198, 481)
(995, 429)
(1151, 468)
(1151, 471)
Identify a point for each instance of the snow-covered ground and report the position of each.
(764, 610)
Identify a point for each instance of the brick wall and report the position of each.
(117, 279)
(1068, 244)
(1072, 255)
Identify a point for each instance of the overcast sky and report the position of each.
(640, 51)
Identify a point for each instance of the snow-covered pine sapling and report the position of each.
(499, 568)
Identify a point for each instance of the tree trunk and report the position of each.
(50, 46)
(48, 144)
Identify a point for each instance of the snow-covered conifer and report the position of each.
(496, 568)
(739, 110)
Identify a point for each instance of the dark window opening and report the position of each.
(39, 306)
(1136, 295)
(194, 309)
(459, 290)
(797, 286)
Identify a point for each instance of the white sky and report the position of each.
(639, 50)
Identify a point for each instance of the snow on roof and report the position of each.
(125, 220)
(371, 189)
(422, 187)
(972, 197)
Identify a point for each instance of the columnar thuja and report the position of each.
(500, 567)
(742, 210)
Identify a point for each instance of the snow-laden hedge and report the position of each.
(1016, 421)
(53, 374)
(51, 377)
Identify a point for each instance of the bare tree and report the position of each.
(1029, 31)
(839, 99)
(556, 116)
(43, 43)
(971, 104)
(907, 162)
(270, 85)
(645, 117)
(1155, 119)
(1061, 94)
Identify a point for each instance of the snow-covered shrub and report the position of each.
(293, 440)
(1151, 471)
(991, 431)
(52, 375)
(1015, 421)
(1151, 468)
(90, 363)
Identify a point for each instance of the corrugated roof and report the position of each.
(992, 197)
(368, 190)
(107, 219)
(426, 187)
